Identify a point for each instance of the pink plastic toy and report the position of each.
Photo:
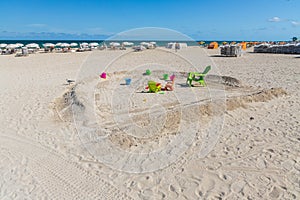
(172, 77)
(103, 75)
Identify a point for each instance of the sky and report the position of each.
(258, 20)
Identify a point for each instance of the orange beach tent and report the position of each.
(213, 45)
(244, 45)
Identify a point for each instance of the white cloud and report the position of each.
(275, 19)
(294, 23)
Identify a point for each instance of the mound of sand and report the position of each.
(259, 96)
(235, 98)
(63, 105)
(171, 110)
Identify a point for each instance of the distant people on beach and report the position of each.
(177, 46)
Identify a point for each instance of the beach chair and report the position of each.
(197, 77)
(153, 86)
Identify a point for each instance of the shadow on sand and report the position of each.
(216, 56)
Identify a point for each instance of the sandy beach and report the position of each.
(237, 138)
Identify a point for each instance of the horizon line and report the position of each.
(102, 40)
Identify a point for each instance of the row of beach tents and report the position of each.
(234, 49)
(289, 48)
(71, 47)
(33, 47)
(61, 46)
(215, 45)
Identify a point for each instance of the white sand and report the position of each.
(46, 154)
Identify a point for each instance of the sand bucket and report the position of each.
(148, 72)
(172, 77)
(127, 81)
(103, 75)
(166, 76)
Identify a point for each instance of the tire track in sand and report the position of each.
(60, 178)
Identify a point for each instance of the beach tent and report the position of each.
(172, 45)
(182, 45)
(213, 45)
(244, 45)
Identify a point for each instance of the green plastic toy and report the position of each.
(198, 77)
(166, 76)
(153, 86)
(148, 72)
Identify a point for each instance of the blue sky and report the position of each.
(199, 19)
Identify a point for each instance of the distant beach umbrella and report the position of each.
(33, 46)
(114, 44)
(19, 45)
(73, 44)
(85, 44)
(65, 45)
(144, 43)
(3, 45)
(58, 44)
(127, 43)
(94, 44)
(48, 45)
(12, 46)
